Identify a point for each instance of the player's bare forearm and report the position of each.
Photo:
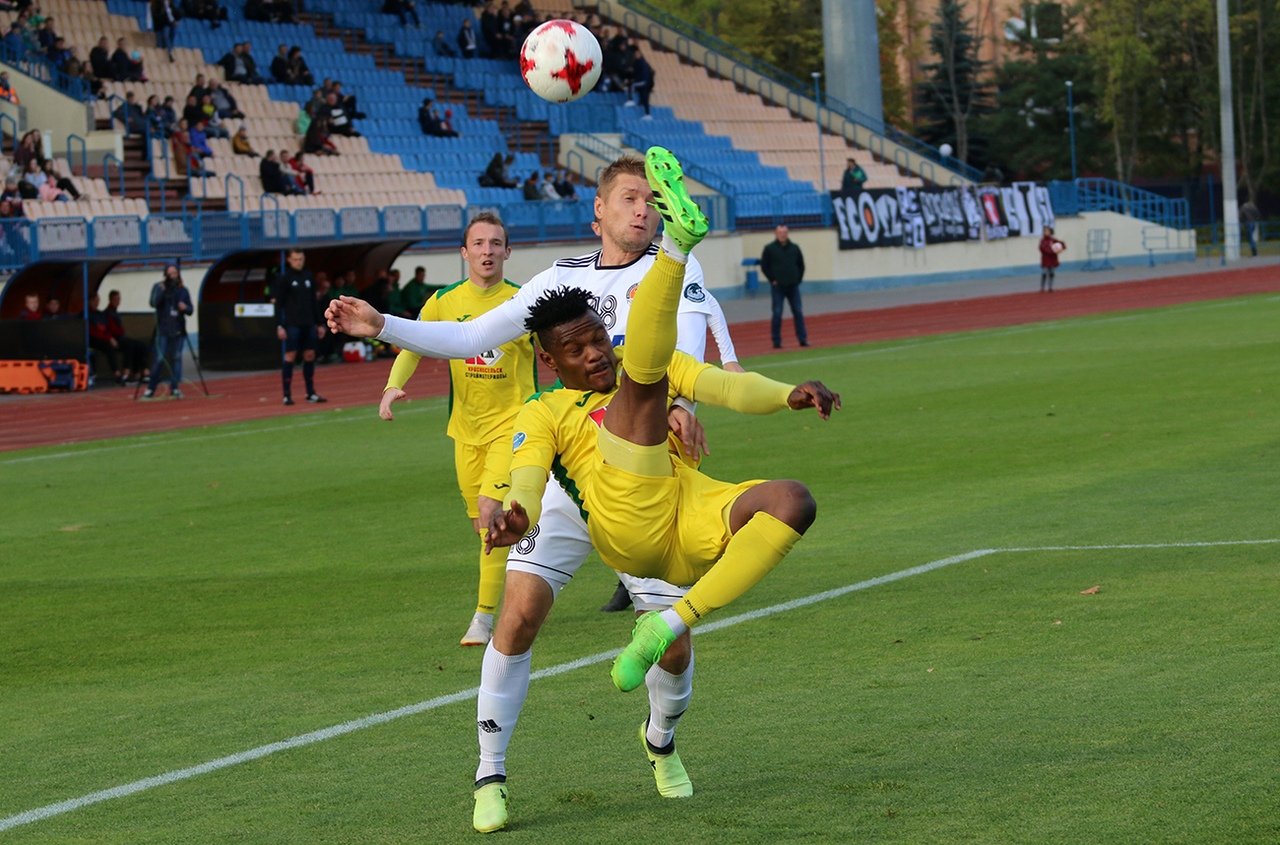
(354, 317)
(814, 394)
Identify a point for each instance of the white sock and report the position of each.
(673, 619)
(669, 697)
(504, 683)
(673, 250)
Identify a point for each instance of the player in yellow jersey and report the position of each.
(604, 436)
(485, 392)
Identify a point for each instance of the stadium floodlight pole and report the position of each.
(1071, 127)
(1227, 155)
(817, 104)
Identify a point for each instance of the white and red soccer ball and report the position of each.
(560, 61)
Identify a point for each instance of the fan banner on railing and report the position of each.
(917, 217)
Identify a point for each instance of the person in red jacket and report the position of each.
(1050, 247)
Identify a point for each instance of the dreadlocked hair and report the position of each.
(556, 307)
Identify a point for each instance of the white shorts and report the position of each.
(555, 548)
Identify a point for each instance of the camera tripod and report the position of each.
(162, 360)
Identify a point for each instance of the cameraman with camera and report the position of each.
(172, 303)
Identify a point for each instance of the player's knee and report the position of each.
(794, 505)
(515, 631)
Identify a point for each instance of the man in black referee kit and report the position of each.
(299, 323)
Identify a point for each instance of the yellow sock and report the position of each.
(752, 552)
(493, 572)
(651, 327)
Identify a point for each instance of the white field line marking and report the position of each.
(184, 436)
(51, 810)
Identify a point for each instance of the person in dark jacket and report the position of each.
(782, 263)
(299, 323)
(172, 304)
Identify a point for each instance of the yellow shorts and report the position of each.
(476, 463)
(673, 528)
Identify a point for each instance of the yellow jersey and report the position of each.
(486, 390)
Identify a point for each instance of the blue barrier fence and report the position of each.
(1109, 195)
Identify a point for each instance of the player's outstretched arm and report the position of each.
(511, 520)
(814, 394)
(351, 316)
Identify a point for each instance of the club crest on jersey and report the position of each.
(485, 359)
(517, 441)
(631, 291)
(597, 416)
(694, 292)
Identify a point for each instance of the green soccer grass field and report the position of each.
(248, 633)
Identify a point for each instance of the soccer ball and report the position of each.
(560, 61)
(1058, 246)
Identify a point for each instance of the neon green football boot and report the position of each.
(684, 221)
(650, 639)
(491, 808)
(673, 781)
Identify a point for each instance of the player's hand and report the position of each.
(391, 394)
(506, 528)
(280, 332)
(814, 394)
(320, 332)
(733, 367)
(355, 317)
(692, 436)
(488, 508)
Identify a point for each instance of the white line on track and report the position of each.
(51, 810)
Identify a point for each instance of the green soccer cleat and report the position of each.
(673, 781)
(650, 639)
(684, 221)
(491, 808)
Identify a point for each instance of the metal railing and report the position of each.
(1109, 195)
(74, 141)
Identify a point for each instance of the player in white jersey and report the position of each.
(546, 559)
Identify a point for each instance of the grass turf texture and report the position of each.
(174, 599)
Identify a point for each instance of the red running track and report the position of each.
(49, 419)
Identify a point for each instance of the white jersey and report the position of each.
(612, 287)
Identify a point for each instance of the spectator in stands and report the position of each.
(280, 65)
(163, 118)
(403, 9)
(7, 91)
(126, 65)
(489, 23)
(200, 88)
(214, 126)
(548, 187)
(11, 194)
(504, 44)
(205, 10)
(273, 179)
(184, 164)
(61, 183)
(298, 70)
(317, 140)
(432, 123)
(442, 47)
(532, 191)
(414, 294)
(642, 77)
(223, 101)
(164, 21)
(31, 310)
(46, 37)
(59, 54)
(200, 149)
(192, 112)
(100, 59)
(854, 177)
(304, 176)
(131, 116)
(15, 40)
(239, 66)
(133, 350)
(100, 339)
(782, 263)
(339, 119)
(467, 39)
(613, 76)
(240, 144)
(348, 101)
(565, 187)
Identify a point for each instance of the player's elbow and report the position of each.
(796, 506)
